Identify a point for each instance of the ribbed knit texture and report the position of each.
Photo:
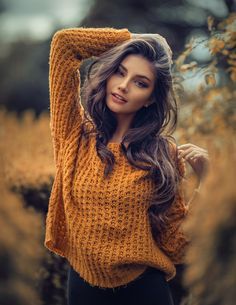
(100, 225)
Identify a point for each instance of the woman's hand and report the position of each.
(196, 156)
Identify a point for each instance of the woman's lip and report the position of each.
(117, 100)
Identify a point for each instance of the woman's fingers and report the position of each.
(184, 147)
(196, 156)
(190, 155)
(182, 153)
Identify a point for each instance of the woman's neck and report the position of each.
(123, 125)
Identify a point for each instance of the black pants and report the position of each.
(150, 288)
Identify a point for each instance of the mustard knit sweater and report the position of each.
(99, 225)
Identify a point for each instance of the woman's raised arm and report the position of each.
(68, 48)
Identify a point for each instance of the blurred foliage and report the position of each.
(24, 77)
(21, 249)
(26, 140)
(207, 118)
(211, 108)
(174, 19)
(27, 173)
(211, 258)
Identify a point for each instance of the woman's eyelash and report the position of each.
(142, 84)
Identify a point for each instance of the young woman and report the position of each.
(117, 203)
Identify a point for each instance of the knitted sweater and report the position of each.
(100, 225)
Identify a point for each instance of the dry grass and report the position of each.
(26, 149)
(21, 250)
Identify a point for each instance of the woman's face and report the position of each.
(133, 82)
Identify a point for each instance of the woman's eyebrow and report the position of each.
(139, 75)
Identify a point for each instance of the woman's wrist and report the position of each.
(195, 194)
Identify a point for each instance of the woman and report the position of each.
(116, 204)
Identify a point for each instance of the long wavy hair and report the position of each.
(149, 135)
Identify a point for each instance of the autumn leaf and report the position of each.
(225, 52)
(216, 45)
(210, 23)
(210, 79)
(231, 62)
(233, 75)
(227, 22)
(232, 55)
(189, 66)
(180, 60)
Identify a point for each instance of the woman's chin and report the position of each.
(114, 107)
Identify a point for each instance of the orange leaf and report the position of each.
(210, 79)
(232, 55)
(189, 66)
(231, 62)
(233, 76)
(210, 22)
(225, 52)
(216, 45)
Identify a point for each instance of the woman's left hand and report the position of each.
(196, 156)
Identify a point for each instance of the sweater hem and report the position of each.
(51, 246)
(106, 284)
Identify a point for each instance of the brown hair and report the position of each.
(149, 147)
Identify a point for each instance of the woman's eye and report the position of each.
(141, 84)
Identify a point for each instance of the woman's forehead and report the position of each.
(139, 64)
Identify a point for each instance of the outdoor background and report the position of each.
(202, 35)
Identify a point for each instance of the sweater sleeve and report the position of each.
(172, 240)
(68, 48)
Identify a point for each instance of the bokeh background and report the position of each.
(202, 35)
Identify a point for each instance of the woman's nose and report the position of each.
(123, 85)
